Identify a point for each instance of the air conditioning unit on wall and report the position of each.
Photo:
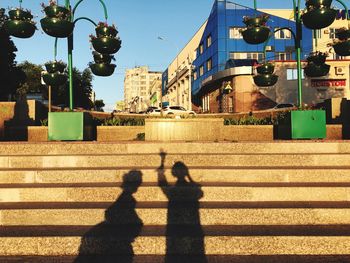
(340, 70)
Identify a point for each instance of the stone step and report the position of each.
(185, 215)
(198, 174)
(182, 259)
(152, 194)
(154, 245)
(78, 148)
(104, 230)
(233, 161)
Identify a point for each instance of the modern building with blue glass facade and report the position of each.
(219, 44)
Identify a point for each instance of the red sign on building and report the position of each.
(315, 83)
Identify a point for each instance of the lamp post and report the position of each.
(302, 124)
(297, 36)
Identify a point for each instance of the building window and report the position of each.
(235, 33)
(237, 55)
(283, 56)
(292, 74)
(332, 33)
(195, 54)
(201, 49)
(201, 70)
(195, 75)
(209, 41)
(317, 34)
(283, 34)
(206, 103)
(209, 64)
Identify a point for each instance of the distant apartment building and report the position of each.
(137, 83)
(155, 92)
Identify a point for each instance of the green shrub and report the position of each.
(115, 121)
(141, 137)
(44, 122)
(251, 120)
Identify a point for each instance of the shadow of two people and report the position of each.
(111, 240)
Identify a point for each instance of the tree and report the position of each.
(33, 79)
(99, 104)
(10, 75)
(82, 89)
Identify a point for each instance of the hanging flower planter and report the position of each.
(266, 68)
(103, 30)
(57, 27)
(55, 79)
(256, 35)
(342, 48)
(102, 58)
(313, 70)
(56, 11)
(20, 14)
(319, 18)
(19, 28)
(317, 57)
(318, 3)
(55, 66)
(343, 33)
(57, 22)
(20, 24)
(265, 80)
(106, 45)
(256, 21)
(102, 69)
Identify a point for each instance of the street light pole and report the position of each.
(177, 66)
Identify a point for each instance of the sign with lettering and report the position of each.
(315, 83)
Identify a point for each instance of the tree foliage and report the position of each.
(10, 75)
(99, 104)
(33, 79)
(82, 89)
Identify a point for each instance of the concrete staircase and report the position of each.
(127, 202)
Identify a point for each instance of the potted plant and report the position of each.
(55, 66)
(319, 14)
(105, 44)
(342, 44)
(57, 22)
(256, 32)
(103, 29)
(102, 58)
(266, 68)
(55, 73)
(265, 77)
(20, 23)
(55, 79)
(316, 66)
(343, 33)
(317, 57)
(265, 80)
(318, 3)
(102, 69)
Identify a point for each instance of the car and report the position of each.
(177, 111)
(155, 112)
(284, 106)
(151, 109)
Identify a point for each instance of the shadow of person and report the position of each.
(111, 240)
(184, 233)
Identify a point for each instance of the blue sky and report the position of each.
(140, 22)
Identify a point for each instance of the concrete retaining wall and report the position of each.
(183, 129)
(118, 133)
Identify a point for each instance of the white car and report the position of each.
(177, 111)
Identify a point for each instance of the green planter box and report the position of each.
(307, 124)
(69, 126)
